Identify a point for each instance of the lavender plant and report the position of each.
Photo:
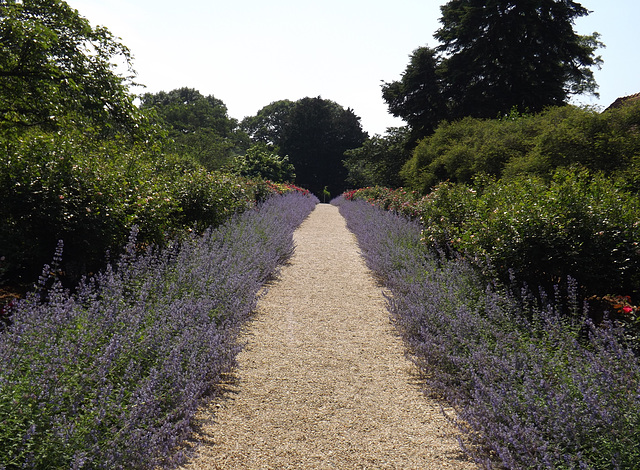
(111, 376)
(533, 386)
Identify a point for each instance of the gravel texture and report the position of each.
(323, 382)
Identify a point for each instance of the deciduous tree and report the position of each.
(379, 161)
(260, 161)
(197, 125)
(268, 125)
(55, 68)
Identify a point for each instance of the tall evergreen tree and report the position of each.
(505, 54)
(417, 97)
(494, 56)
(317, 134)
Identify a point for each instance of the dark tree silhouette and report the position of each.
(314, 133)
(495, 56)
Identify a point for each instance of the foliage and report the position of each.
(578, 224)
(379, 161)
(284, 188)
(207, 199)
(57, 70)
(417, 97)
(197, 126)
(261, 162)
(507, 54)
(494, 57)
(530, 388)
(269, 124)
(90, 193)
(314, 133)
(397, 200)
(113, 377)
(608, 141)
(528, 144)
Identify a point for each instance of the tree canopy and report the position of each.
(260, 161)
(379, 161)
(417, 97)
(314, 133)
(198, 126)
(268, 125)
(504, 54)
(495, 56)
(56, 68)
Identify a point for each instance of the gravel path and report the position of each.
(323, 382)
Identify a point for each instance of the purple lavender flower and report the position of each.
(533, 385)
(111, 376)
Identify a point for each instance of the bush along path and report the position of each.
(323, 382)
(533, 382)
(110, 377)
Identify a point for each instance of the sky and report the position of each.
(250, 53)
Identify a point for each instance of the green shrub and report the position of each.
(460, 150)
(379, 161)
(207, 199)
(261, 162)
(580, 224)
(51, 189)
(91, 193)
(568, 136)
(529, 144)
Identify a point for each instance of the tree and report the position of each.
(495, 56)
(55, 69)
(379, 161)
(505, 54)
(197, 125)
(417, 97)
(268, 125)
(262, 162)
(317, 134)
(314, 133)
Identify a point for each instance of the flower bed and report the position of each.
(111, 376)
(578, 224)
(533, 384)
(91, 193)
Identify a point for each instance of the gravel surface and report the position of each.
(323, 382)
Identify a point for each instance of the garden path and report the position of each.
(323, 382)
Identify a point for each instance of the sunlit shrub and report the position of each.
(91, 193)
(578, 225)
(399, 200)
(537, 144)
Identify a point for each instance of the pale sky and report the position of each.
(249, 53)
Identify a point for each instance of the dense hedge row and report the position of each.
(91, 193)
(578, 224)
(533, 384)
(530, 144)
(110, 377)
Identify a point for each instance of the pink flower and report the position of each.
(627, 309)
